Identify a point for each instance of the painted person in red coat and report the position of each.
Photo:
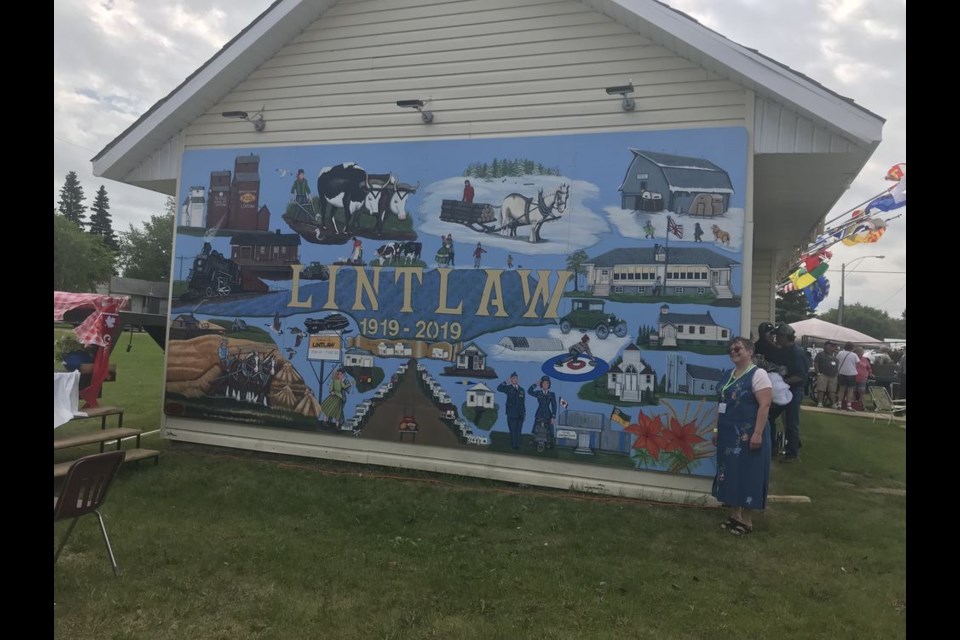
(467, 192)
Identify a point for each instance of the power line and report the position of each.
(892, 296)
(74, 144)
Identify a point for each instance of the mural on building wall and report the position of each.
(565, 297)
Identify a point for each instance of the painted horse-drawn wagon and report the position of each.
(516, 210)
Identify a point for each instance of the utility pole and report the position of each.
(843, 282)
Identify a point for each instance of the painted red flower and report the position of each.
(649, 434)
(681, 437)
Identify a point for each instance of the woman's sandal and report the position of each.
(740, 529)
(735, 527)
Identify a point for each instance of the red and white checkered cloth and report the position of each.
(97, 327)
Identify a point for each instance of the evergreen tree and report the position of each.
(792, 306)
(495, 168)
(71, 200)
(100, 222)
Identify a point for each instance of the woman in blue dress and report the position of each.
(743, 440)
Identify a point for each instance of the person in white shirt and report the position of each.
(847, 360)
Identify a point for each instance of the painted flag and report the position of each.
(674, 228)
(620, 417)
(276, 323)
(563, 403)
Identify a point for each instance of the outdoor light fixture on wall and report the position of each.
(624, 91)
(257, 119)
(426, 116)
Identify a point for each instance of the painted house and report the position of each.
(186, 321)
(471, 358)
(633, 377)
(660, 181)
(355, 357)
(266, 255)
(262, 248)
(480, 395)
(685, 329)
(489, 73)
(690, 379)
(660, 270)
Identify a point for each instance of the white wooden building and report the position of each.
(480, 395)
(327, 71)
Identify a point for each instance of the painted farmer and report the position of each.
(300, 191)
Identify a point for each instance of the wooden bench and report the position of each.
(133, 455)
(104, 435)
(102, 413)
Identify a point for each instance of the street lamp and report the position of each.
(843, 280)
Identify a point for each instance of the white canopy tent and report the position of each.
(821, 330)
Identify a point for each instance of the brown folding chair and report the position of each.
(84, 490)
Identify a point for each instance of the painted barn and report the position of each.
(501, 71)
(660, 181)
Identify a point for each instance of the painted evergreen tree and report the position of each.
(71, 200)
(100, 221)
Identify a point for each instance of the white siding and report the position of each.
(781, 130)
(763, 288)
(491, 67)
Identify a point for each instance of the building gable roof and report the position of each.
(684, 172)
(669, 28)
(705, 373)
(688, 318)
(675, 256)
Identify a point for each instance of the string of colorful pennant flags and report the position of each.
(867, 222)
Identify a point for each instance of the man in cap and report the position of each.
(826, 366)
(797, 370)
(543, 420)
(766, 351)
(516, 408)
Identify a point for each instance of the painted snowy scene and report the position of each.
(578, 226)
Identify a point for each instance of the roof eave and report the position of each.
(266, 35)
(747, 67)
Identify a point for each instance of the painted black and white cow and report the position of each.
(395, 251)
(411, 250)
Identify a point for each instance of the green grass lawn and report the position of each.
(235, 545)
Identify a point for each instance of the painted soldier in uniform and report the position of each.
(516, 407)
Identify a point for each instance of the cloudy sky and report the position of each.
(113, 59)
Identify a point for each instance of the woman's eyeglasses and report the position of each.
(736, 349)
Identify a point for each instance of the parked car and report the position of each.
(588, 313)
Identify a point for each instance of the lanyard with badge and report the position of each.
(722, 407)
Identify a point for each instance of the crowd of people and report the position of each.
(753, 397)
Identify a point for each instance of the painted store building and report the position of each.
(388, 121)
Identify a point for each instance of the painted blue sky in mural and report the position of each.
(593, 166)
